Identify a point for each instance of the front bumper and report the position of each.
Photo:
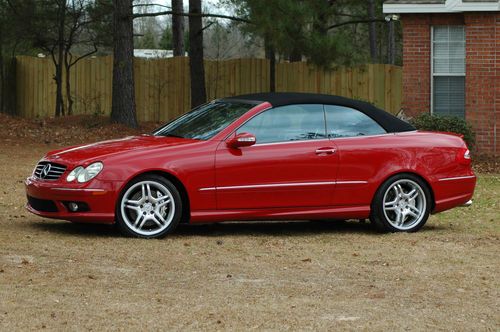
(50, 199)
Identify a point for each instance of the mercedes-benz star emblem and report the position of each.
(45, 171)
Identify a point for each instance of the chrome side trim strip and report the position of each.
(207, 189)
(298, 184)
(458, 178)
(76, 189)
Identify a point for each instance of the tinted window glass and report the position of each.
(287, 123)
(205, 121)
(347, 122)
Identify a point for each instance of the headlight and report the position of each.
(74, 173)
(85, 174)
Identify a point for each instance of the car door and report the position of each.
(293, 164)
(362, 150)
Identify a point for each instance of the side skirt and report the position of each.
(343, 212)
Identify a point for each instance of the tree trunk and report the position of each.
(123, 95)
(391, 45)
(59, 95)
(2, 74)
(196, 65)
(59, 62)
(295, 56)
(69, 97)
(372, 31)
(178, 28)
(271, 56)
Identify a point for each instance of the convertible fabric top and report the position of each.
(390, 123)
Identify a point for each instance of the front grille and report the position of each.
(42, 205)
(49, 171)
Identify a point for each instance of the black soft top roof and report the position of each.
(388, 121)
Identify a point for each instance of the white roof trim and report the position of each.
(451, 6)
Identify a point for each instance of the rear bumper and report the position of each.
(50, 200)
(453, 192)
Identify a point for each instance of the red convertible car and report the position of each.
(259, 157)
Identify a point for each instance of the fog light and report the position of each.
(73, 207)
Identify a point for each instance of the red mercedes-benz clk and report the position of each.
(259, 157)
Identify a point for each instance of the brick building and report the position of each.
(451, 62)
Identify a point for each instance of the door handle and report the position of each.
(326, 151)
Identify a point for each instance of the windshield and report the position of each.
(205, 121)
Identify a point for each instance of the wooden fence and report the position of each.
(162, 85)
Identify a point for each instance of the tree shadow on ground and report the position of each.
(76, 229)
(260, 228)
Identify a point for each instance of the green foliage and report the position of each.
(100, 13)
(166, 40)
(147, 40)
(314, 29)
(451, 124)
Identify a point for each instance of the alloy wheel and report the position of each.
(147, 208)
(404, 204)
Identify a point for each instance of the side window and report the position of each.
(347, 122)
(287, 123)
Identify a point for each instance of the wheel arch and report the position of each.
(186, 207)
(424, 180)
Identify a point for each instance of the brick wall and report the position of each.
(416, 64)
(482, 77)
(482, 95)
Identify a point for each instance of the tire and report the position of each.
(401, 204)
(150, 206)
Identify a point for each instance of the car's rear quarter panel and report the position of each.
(431, 156)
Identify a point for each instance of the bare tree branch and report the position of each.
(207, 26)
(151, 5)
(84, 56)
(169, 12)
(354, 22)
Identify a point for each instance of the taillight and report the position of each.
(464, 156)
(467, 154)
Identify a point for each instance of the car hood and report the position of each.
(99, 150)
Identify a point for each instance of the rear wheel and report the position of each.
(401, 204)
(149, 207)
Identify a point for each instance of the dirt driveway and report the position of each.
(273, 276)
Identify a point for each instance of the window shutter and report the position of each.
(448, 70)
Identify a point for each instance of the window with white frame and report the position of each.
(448, 70)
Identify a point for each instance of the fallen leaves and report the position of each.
(64, 131)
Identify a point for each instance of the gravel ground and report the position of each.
(264, 276)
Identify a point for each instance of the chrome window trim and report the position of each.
(366, 136)
(287, 142)
(329, 139)
(309, 140)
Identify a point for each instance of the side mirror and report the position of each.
(241, 140)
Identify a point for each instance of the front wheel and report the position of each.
(401, 204)
(149, 207)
